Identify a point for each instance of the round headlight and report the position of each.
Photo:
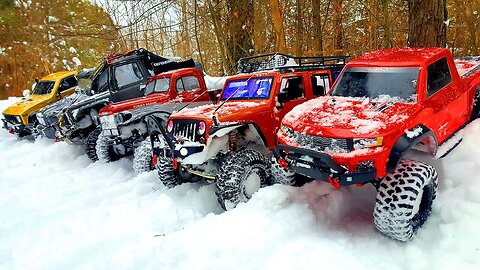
(201, 128)
(183, 151)
(170, 126)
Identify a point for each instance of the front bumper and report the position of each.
(18, 129)
(160, 149)
(321, 166)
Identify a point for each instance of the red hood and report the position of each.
(348, 118)
(231, 111)
(131, 104)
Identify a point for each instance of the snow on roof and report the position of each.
(396, 55)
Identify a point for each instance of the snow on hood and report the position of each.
(347, 117)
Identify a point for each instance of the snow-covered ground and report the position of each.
(60, 211)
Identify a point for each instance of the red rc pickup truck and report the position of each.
(123, 130)
(383, 104)
(230, 144)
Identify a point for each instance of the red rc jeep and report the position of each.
(383, 104)
(123, 129)
(231, 143)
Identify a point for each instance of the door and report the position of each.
(188, 88)
(445, 98)
(292, 93)
(126, 79)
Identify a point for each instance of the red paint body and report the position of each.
(445, 112)
(262, 112)
(159, 98)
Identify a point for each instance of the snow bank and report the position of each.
(60, 211)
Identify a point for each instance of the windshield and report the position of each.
(43, 87)
(378, 83)
(252, 88)
(158, 86)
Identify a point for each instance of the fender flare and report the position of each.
(156, 126)
(221, 130)
(404, 143)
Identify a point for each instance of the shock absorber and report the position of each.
(232, 141)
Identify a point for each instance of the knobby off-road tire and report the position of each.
(241, 175)
(91, 143)
(166, 173)
(404, 199)
(280, 175)
(142, 157)
(104, 150)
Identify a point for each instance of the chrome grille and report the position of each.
(186, 129)
(318, 143)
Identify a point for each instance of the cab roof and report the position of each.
(58, 75)
(400, 56)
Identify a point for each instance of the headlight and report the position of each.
(366, 143)
(123, 116)
(288, 131)
(170, 126)
(201, 128)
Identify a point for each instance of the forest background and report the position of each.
(38, 37)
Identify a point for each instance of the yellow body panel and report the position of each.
(33, 103)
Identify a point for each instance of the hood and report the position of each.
(135, 103)
(28, 104)
(231, 111)
(348, 118)
(58, 106)
(89, 100)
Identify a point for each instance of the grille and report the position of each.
(186, 129)
(317, 143)
(11, 118)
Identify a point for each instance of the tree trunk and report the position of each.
(338, 28)
(275, 12)
(299, 31)
(240, 26)
(426, 27)
(317, 28)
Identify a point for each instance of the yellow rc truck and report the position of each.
(20, 119)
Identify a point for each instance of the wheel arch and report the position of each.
(425, 138)
(222, 130)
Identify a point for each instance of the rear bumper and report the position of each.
(321, 166)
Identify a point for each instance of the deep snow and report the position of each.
(60, 211)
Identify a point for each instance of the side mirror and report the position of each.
(282, 97)
(36, 80)
(143, 87)
(26, 93)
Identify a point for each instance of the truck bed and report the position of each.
(466, 66)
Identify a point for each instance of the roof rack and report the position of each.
(280, 61)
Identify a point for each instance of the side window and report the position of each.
(320, 85)
(179, 86)
(293, 87)
(67, 83)
(438, 76)
(188, 83)
(191, 83)
(127, 74)
(102, 81)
